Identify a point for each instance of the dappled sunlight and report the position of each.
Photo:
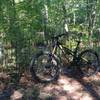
(16, 95)
(86, 96)
(66, 89)
(64, 80)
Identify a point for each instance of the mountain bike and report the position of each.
(45, 65)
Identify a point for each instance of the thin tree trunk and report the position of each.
(91, 18)
(45, 21)
(65, 20)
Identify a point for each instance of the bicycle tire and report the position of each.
(86, 65)
(33, 69)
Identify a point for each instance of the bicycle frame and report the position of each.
(48, 67)
(74, 53)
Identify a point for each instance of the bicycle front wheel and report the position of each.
(89, 62)
(44, 67)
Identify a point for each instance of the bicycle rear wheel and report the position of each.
(44, 67)
(89, 62)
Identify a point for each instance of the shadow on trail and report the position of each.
(86, 85)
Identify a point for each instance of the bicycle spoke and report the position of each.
(89, 63)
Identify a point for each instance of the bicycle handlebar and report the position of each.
(58, 36)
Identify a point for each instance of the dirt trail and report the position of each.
(68, 88)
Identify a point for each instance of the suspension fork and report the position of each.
(52, 53)
(54, 50)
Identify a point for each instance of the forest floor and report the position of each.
(67, 87)
(70, 88)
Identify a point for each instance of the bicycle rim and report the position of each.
(89, 63)
(45, 68)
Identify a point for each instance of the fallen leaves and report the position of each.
(4, 76)
(66, 88)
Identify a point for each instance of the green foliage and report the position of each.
(20, 22)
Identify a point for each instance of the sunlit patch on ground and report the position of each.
(66, 89)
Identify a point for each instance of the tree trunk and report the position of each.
(91, 18)
(15, 36)
(45, 21)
